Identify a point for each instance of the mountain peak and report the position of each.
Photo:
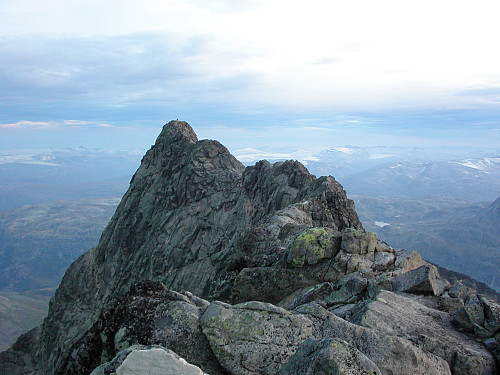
(176, 139)
(193, 218)
(176, 130)
(196, 223)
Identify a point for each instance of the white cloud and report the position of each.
(315, 55)
(75, 122)
(27, 124)
(65, 124)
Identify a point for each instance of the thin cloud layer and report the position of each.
(118, 69)
(322, 54)
(26, 124)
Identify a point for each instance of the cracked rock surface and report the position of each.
(234, 270)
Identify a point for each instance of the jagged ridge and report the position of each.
(183, 222)
(195, 220)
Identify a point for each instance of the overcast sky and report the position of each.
(109, 73)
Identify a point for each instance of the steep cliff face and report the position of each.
(289, 282)
(192, 218)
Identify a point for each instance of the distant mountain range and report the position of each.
(344, 160)
(470, 179)
(401, 172)
(459, 235)
(34, 177)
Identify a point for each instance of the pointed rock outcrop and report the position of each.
(193, 218)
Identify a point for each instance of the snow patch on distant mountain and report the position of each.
(475, 179)
(250, 154)
(480, 164)
(247, 155)
(27, 159)
(38, 162)
(345, 150)
(397, 165)
(379, 156)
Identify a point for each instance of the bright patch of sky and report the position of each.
(275, 73)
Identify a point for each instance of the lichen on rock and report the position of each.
(312, 246)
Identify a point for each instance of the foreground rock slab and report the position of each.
(393, 355)
(328, 356)
(259, 338)
(254, 337)
(398, 314)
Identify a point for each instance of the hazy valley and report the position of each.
(37, 244)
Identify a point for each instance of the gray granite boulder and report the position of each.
(491, 315)
(356, 241)
(392, 354)
(328, 357)
(400, 314)
(407, 260)
(422, 280)
(384, 261)
(478, 315)
(254, 337)
(312, 246)
(458, 290)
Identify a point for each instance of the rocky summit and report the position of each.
(208, 267)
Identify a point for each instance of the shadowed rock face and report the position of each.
(316, 356)
(248, 338)
(193, 218)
